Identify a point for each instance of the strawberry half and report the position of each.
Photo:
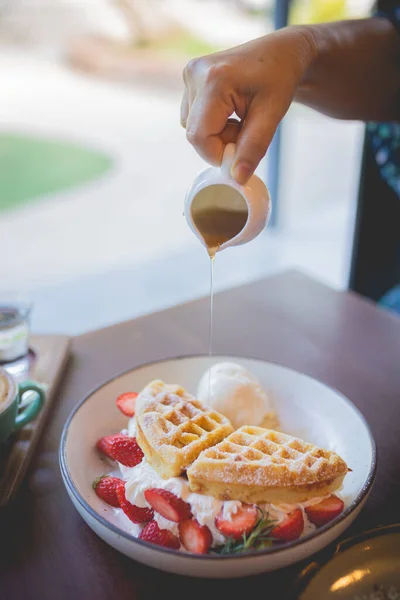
(168, 505)
(242, 521)
(325, 511)
(135, 513)
(290, 528)
(161, 537)
(122, 448)
(126, 403)
(106, 489)
(195, 537)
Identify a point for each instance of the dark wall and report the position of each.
(375, 264)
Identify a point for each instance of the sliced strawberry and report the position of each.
(242, 521)
(195, 537)
(290, 528)
(106, 489)
(135, 513)
(168, 505)
(122, 448)
(161, 537)
(325, 511)
(126, 403)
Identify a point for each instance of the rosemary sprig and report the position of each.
(257, 539)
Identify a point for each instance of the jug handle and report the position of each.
(227, 159)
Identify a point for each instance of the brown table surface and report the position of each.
(46, 549)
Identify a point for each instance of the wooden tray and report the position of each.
(49, 358)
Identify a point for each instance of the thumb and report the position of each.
(254, 139)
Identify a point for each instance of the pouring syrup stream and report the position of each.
(216, 226)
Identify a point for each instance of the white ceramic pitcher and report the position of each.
(255, 194)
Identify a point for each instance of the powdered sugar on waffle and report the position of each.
(260, 457)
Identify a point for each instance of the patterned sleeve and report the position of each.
(384, 138)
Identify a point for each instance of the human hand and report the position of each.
(257, 82)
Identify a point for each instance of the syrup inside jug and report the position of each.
(219, 213)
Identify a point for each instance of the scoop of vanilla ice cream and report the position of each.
(236, 393)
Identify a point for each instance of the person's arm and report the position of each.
(348, 69)
(356, 72)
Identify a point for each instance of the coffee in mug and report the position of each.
(13, 414)
(4, 391)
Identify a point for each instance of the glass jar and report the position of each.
(15, 311)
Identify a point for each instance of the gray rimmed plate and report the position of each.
(306, 408)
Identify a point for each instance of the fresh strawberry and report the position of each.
(126, 403)
(168, 505)
(135, 513)
(195, 537)
(290, 528)
(122, 448)
(242, 521)
(325, 511)
(161, 537)
(106, 489)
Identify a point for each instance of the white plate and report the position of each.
(306, 408)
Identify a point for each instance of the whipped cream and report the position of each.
(204, 508)
(131, 427)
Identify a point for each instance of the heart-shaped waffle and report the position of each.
(259, 466)
(172, 427)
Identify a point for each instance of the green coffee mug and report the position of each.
(14, 414)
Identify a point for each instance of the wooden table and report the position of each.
(47, 551)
